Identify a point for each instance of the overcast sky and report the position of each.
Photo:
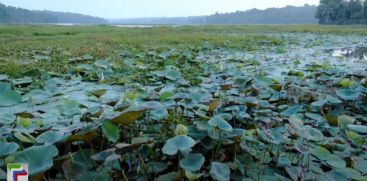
(151, 8)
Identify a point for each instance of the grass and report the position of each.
(69, 36)
(19, 43)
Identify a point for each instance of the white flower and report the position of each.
(181, 130)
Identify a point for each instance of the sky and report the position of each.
(151, 8)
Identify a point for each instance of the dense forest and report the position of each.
(342, 12)
(10, 14)
(285, 15)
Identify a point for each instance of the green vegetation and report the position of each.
(9, 14)
(102, 42)
(184, 103)
(330, 12)
(286, 15)
(342, 12)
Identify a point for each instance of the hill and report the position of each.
(286, 15)
(9, 14)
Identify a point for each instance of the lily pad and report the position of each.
(358, 128)
(101, 156)
(319, 103)
(344, 121)
(22, 81)
(172, 74)
(294, 172)
(4, 87)
(25, 137)
(51, 137)
(111, 131)
(8, 148)
(213, 105)
(360, 164)
(159, 114)
(348, 94)
(151, 105)
(9, 98)
(314, 134)
(350, 173)
(7, 118)
(51, 86)
(220, 123)
(168, 177)
(283, 162)
(70, 108)
(335, 161)
(99, 93)
(165, 95)
(39, 158)
(220, 171)
(128, 116)
(3, 77)
(292, 110)
(178, 143)
(331, 159)
(192, 162)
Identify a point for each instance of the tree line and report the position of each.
(286, 15)
(342, 12)
(335, 12)
(9, 14)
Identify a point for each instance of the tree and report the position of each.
(355, 12)
(341, 11)
(10, 14)
(365, 11)
(4, 15)
(328, 12)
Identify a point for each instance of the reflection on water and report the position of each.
(66, 24)
(356, 52)
(116, 25)
(134, 26)
(144, 26)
